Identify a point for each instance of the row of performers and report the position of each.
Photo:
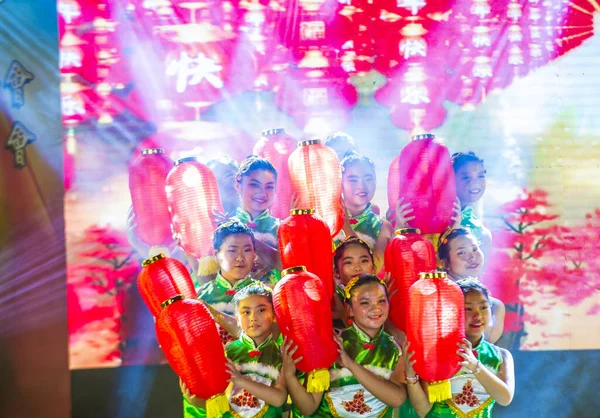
(374, 374)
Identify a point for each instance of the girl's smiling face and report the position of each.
(355, 260)
(257, 191)
(465, 258)
(477, 315)
(236, 257)
(470, 182)
(369, 307)
(358, 186)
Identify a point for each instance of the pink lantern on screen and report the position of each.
(193, 197)
(423, 176)
(162, 278)
(276, 146)
(147, 180)
(436, 323)
(317, 181)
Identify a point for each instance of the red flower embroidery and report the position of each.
(230, 292)
(369, 346)
(466, 397)
(254, 353)
(357, 405)
(353, 221)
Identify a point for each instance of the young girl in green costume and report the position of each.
(487, 373)
(256, 183)
(366, 379)
(460, 255)
(254, 361)
(358, 187)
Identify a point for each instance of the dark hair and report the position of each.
(252, 163)
(340, 137)
(352, 157)
(447, 237)
(362, 280)
(351, 240)
(472, 284)
(461, 158)
(229, 228)
(255, 289)
(225, 160)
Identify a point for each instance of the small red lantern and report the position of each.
(304, 240)
(423, 176)
(193, 197)
(162, 278)
(147, 179)
(317, 181)
(406, 256)
(436, 323)
(189, 338)
(304, 316)
(276, 146)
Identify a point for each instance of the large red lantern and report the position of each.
(147, 179)
(406, 256)
(304, 317)
(189, 338)
(304, 240)
(317, 181)
(162, 278)
(276, 146)
(436, 323)
(193, 197)
(423, 176)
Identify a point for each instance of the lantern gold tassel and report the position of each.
(439, 391)
(318, 381)
(208, 266)
(217, 405)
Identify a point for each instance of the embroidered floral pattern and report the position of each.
(230, 292)
(254, 353)
(357, 405)
(466, 397)
(368, 346)
(245, 399)
(225, 336)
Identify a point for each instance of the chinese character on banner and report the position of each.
(190, 71)
(16, 78)
(312, 31)
(17, 141)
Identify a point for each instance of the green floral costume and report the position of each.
(346, 397)
(367, 226)
(265, 229)
(469, 398)
(472, 222)
(261, 364)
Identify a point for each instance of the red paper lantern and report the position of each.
(304, 316)
(406, 256)
(317, 181)
(193, 197)
(436, 323)
(147, 179)
(276, 146)
(189, 338)
(423, 176)
(161, 279)
(304, 240)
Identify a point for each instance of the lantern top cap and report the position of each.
(184, 160)
(294, 212)
(172, 300)
(309, 142)
(292, 270)
(154, 259)
(150, 151)
(433, 275)
(272, 131)
(404, 231)
(422, 136)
